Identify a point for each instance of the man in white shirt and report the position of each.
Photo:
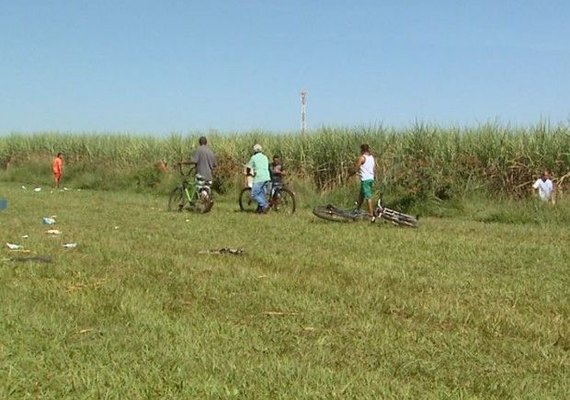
(545, 187)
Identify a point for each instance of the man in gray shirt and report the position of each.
(204, 159)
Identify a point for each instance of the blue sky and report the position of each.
(158, 67)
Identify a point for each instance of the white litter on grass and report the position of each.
(48, 220)
(70, 245)
(38, 189)
(53, 232)
(65, 188)
(25, 236)
(23, 187)
(13, 246)
(116, 227)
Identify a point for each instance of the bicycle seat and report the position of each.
(202, 181)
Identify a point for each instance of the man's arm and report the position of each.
(278, 170)
(250, 167)
(359, 162)
(354, 170)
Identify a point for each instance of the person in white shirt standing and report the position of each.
(365, 164)
(545, 187)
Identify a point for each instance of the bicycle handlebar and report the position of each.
(191, 168)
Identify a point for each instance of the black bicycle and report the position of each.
(194, 196)
(333, 213)
(279, 198)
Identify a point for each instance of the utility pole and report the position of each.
(303, 111)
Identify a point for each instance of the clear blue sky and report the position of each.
(158, 67)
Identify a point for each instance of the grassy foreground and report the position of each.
(312, 310)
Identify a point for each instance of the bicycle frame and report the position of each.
(196, 192)
(271, 190)
(192, 190)
(278, 196)
(274, 190)
(333, 213)
(393, 216)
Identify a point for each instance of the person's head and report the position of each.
(257, 148)
(203, 141)
(545, 175)
(59, 155)
(364, 148)
(276, 158)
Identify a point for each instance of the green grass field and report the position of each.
(472, 307)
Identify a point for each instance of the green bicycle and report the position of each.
(194, 196)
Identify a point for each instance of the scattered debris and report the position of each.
(38, 189)
(13, 246)
(223, 250)
(44, 259)
(48, 220)
(53, 232)
(279, 313)
(25, 236)
(80, 286)
(70, 245)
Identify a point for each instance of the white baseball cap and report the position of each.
(257, 148)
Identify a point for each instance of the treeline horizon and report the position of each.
(420, 161)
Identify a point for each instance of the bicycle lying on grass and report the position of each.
(194, 196)
(333, 213)
(280, 198)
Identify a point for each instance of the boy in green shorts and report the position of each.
(365, 164)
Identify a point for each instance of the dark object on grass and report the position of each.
(43, 259)
(224, 250)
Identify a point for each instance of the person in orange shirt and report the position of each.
(57, 168)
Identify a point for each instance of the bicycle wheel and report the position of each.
(177, 199)
(332, 213)
(284, 201)
(408, 220)
(203, 203)
(246, 203)
(398, 218)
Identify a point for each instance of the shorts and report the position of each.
(366, 188)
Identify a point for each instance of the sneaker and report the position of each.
(265, 209)
(372, 220)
